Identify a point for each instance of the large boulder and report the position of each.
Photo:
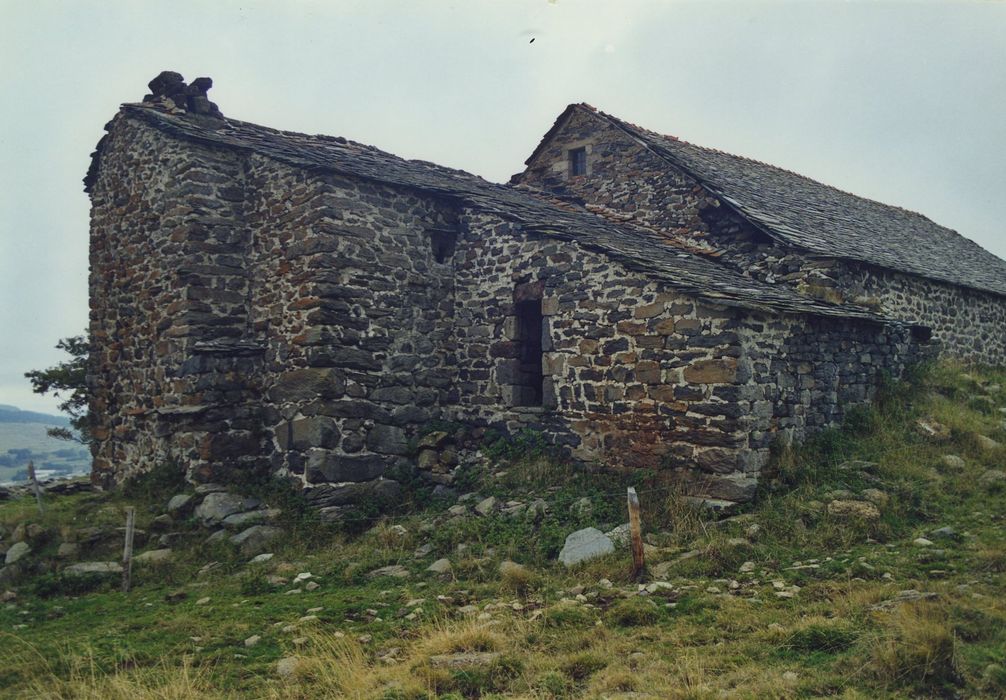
(585, 544)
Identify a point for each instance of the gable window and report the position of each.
(578, 161)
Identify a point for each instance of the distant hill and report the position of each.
(13, 414)
(23, 437)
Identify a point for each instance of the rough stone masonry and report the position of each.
(271, 302)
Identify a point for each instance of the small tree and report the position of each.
(67, 379)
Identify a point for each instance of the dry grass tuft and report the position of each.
(84, 680)
(919, 648)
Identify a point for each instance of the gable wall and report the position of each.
(623, 178)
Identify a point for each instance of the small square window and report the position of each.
(578, 161)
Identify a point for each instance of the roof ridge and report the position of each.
(765, 163)
(834, 222)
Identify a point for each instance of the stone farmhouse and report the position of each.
(305, 305)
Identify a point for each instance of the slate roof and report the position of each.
(807, 214)
(637, 248)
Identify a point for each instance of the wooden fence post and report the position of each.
(636, 535)
(127, 551)
(35, 487)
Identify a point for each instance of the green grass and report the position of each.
(784, 599)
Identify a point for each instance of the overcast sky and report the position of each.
(900, 102)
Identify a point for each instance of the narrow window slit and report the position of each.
(529, 335)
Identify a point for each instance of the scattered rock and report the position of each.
(932, 429)
(487, 506)
(440, 567)
(946, 533)
(93, 567)
(180, 504)
(876, 497)
(922, 542)
(466, 659)
(18, 551)
(261, 558)
(422, 551)
(988, 443)
(287, 666)
(585, 544)
(395, 571)
(203, 601)
(582, 508)
(992, 477)
(162, 522)
(512, 568)
(68, 550)
(218, 505)
(952, 462)
(257, 539)
(854, 509)
(203, 489)
(154, 556)
(218, 536)
(620, 535)
(253, 640)
(536, 509)
(909, 596)
(28, 532)
(238, 521)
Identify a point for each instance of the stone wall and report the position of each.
(249, 316)
(640, 376)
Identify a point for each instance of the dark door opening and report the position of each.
(529, 331)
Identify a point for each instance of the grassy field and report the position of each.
(793, 597)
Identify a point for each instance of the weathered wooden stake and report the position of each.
(35, 487)
(127, 551)
(636, 534)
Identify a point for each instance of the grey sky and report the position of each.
(901, 102)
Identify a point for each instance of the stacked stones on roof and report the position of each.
(306, 306)
(169, 91)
